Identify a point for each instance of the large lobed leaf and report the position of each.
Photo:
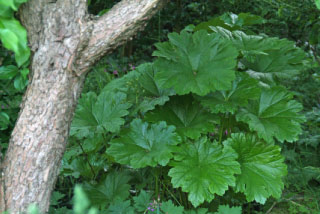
(225, 209)
(169, 207)
(186, 114)
(203, 169)
(99, 114)
(142, 201)
(14, 37)
(231, 21)
(197, 63)
(143, 92)
(274, 115)
(120, 207)
(244, 88)
(113, 188)
(262, 167)
(142, 145)
(266, 57)
(150, 93)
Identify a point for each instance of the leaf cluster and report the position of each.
(204, 117)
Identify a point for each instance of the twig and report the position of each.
(273, 205)
(94, 174)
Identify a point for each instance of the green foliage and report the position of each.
(8, 72)
(231, 21)
(169, 118)
(169, 207)
(113, 188)
(197, 63)
(99, 114)
(13, 4)
(243, 89)
(141, 201)
(13, 79)
(4, 121)
(170, 122)
(186, 114)
(150, 92)
(206, 85)
(262, 167)
(55, 197)
(266, 58)
(203, 169)
(32, 209)
(274, 115)
(120, 207)
(143, 145)
(197, 211)
(225, 209)
(12, 35)
(317, 3)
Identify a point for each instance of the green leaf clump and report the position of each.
(203, 118)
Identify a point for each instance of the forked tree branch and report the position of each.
(62, 37)
(114, 28)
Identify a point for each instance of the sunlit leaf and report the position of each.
(9, 40)
(197, 63)
(317, 4)
(14, 37)
(204, 169)
(275, 114)
(81, 201)
(262, 167)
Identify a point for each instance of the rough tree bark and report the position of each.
(65, 43)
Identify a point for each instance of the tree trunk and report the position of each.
(65, 43)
